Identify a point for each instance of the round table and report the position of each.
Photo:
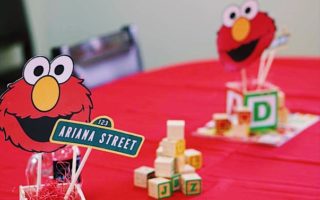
(193, 92)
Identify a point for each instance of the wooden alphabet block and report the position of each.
(175, 129)
(193, 158)
(244, 115)
(281, 99)
(175, 182)
(142, 175)
(264, 108)
(263, 103)
(173, 148)
(180, 161)
(283, 114)
(191, 184)
(164, 166)
(160, 151)
(187, 169)
(222, 123)
(159, 188)
(234, 97)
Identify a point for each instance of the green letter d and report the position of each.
(257, 108)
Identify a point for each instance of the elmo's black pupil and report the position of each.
(38, 71)
(232, 15)
(248, 10)
(59, 70)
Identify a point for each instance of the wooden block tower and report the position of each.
(173, 162)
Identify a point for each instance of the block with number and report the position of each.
(164, 166)
(175, 182)
(159, 188)
(175, 129)
(173, 148)
(193, 158)
(222, 123)
(142, 175)
(191, 184)
(243, 115)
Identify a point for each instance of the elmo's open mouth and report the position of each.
(244, 51)
(39, 129)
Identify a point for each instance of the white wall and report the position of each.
(170, 31)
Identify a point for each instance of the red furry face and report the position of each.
(31, 106)
(245, 34)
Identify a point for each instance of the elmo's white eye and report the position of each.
(249, 9)
(230, 15)
(61, 68)
(35, 68)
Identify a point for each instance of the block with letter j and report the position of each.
(159, 188)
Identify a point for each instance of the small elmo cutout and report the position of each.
(31, 106)
(245, 34)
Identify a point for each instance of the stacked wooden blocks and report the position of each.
(243, 119)
(240, 128)
(174, 168)
(164, 166)
(262, 102)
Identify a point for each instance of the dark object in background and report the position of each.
(103, 59)
(14, 30)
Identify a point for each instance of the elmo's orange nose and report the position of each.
(240, 29)
(45, 93)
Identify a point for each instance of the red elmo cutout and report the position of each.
(31, 106)
(245, 34)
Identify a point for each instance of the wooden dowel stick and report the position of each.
(268, 66)
(74, 162)
(39, 171)
(75, 178)
(244, 79)
(261, 67)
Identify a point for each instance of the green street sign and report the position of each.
(99, 135)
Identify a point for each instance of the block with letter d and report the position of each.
(264, 108)
(262, 103)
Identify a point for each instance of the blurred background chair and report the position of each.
(14, 40)
(101, 60)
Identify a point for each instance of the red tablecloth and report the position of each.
(193, 91)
